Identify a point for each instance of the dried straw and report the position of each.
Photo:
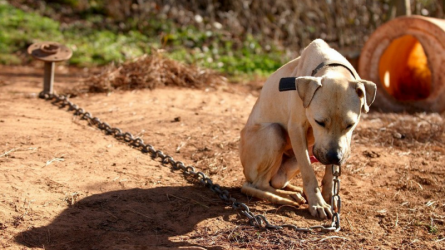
(152, 71)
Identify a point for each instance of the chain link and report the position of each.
(258, 221)
(336, 200)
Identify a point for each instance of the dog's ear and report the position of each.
(366, 90)
(306, 87)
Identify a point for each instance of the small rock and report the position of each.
(371, 154)
(398, 135)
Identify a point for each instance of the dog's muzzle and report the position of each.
(331, 157)
(334, 157)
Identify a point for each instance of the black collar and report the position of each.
(288, 83)
(331, 64)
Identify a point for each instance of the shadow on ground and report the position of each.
(128, 219)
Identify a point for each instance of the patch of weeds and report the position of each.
(10, 59)
(102, 47)
(21, 29)
(432, 229)
(90, 46)
(96, 41)
(250, 59)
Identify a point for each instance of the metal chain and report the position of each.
(259, 221)
(336, 200)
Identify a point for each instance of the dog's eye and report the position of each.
(349, 126)
(322, 124)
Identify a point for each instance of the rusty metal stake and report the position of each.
(49, 52)
(48, 78)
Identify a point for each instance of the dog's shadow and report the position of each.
(140, 219)
(128, 219)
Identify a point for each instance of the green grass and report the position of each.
(20, 29)
(102, 47)
(95, 47)
(432, 229)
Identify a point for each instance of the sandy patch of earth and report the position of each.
(68, 185)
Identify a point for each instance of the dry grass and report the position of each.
(149, 72)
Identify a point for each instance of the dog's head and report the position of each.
(333, 106)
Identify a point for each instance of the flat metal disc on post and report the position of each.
(50, 51)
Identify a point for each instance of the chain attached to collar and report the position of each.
(258, 221)
(335, 199)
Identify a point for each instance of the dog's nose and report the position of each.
(334, 157)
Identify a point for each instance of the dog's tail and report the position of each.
(250, 189)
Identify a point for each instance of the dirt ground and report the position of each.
(68, 185)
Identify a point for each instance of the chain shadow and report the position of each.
(128, 219)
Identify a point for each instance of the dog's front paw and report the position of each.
(322, 210)
(318, 206)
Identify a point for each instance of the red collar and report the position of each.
(313, 159)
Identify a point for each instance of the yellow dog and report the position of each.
(309, 106)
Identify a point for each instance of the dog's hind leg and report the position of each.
(285, 173)
(281, 180)
(270, 195)
(261, 150)
(262, 147)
